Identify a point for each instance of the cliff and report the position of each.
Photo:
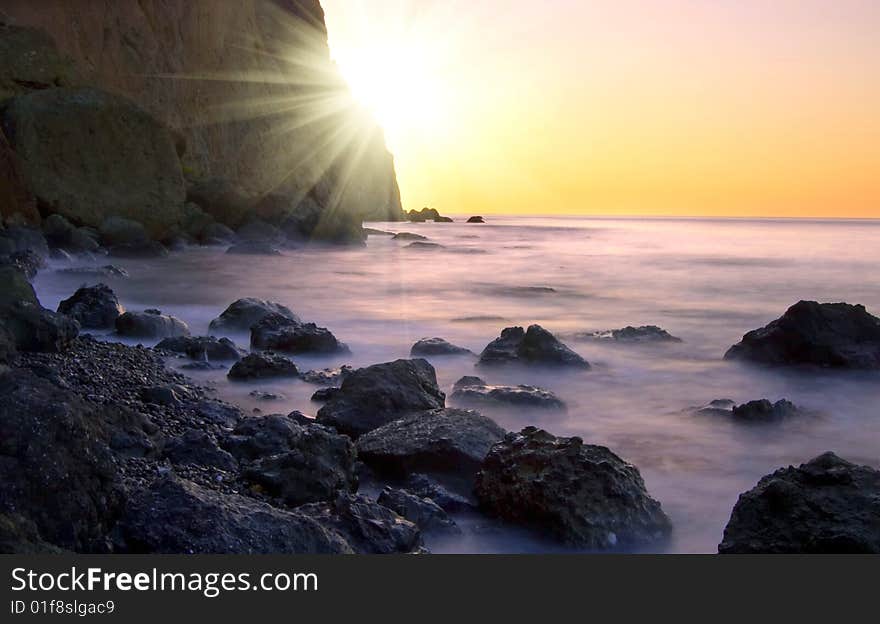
(247, 86)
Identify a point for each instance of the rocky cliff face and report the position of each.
(247, 86)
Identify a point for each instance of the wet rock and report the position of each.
(262, 366)
(121, 231)
(254, 248)
(532, 347)
(62, 235)
(475, 391)
(36, 329)
(56, 470)
(325, 394)
(244, 313)
(178, 516)
(827, 505)
(629, 334)
(126, 163)
(198, 448)
(449, 444)
(25, 238)
(424, 486)
(373, 396)
(160, 395)
(424, 246)
(423, 512)
(327, 376)
(261, 436)
(93, 307)
(222, 199)
(836, 335)
(261, 395)
(581, 494)
(206, 348)
(315, 465)
(368, 527)
(409, 236)
(765, 411)
(218, 413)
(28, 262)
(15, 287)
(277, 332)
(437, 346)
(476, 220)
(150, 324)
(108, 270)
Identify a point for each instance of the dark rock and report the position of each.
(14, 287)
(835, 335)
(244, 313)
(160, 395)
(535, 346)
(373, 396)
(108, 270)
(177, 516)
(427, 214)
(423, 245)
(327, 376)
(262, 436)
(446, 443)
(36, 329)
(444, 220)
(221, 199)
(145, 249)
(765, 411)
(94, 307)
(277, 332)
(150, 324)
(19, 536)
(827, 505)
(56, 471)
(325, 394)
(409, 236)
(125, 162)
(475, 390)
(716, 407)
(427, 487)
(645, 333)
(423, 512)
(254, 248)
(301, 419)
(217, 234)
(583, 495)
(310, 221)
(121, 231)
(316, 464)
(206, 348)
(25, 238)
(262, 366)
(259, 231)
(198, 448)
(476, 220)
(368, 527)
(375, 232)
(261, 395)
(7, 346)
(29, 60)
(28, 262)
(437, 346)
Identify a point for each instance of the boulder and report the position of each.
(373, 396)
(449, 444)
(316, 464)
(323, 395)
(202, 348)
(368, 527)
(583, 495)
(262, 366)
(150, 324)
(93, 307)
(221, 199)
(88, 155)
(177, 516)
(256, 230)
(22, 238)
(837, 335)
(194, 222)
(121, 231)
(327, 376)
(15, 287)
(198, 448)
(474, 390)
(536, 346)
(29, 60)
(827, 505)
(262, 436)
(764, 411)
(254, 248)
(476, 220)
(629, 334)
(310, 221)
(423, 512)
(36, 329)
(277, 332)
(27, 262)
(218, 413)
(437, 346)
(425, 486)
(241, 315)
(56, 471)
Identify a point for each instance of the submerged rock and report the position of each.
(373, 396)
(476, 220)
(423, 512)
(242, 314)
(475, 390)
(150, 324)
(581, 494)
(206, 348)
(108, 270)
(535, 346)
(262, 366)
(327, 376)
(629, 334)
(424, 245)
(836, 335)
(446, 443)
(757, 411)
(277, 332)
(409, 236)
(178, 516)
(827, 505)
(94, 307)
(368, 527)
(437, 346)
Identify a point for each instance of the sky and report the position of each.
(638, 107)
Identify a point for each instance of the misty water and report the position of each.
(705, 281)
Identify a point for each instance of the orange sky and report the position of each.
(670, 107)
